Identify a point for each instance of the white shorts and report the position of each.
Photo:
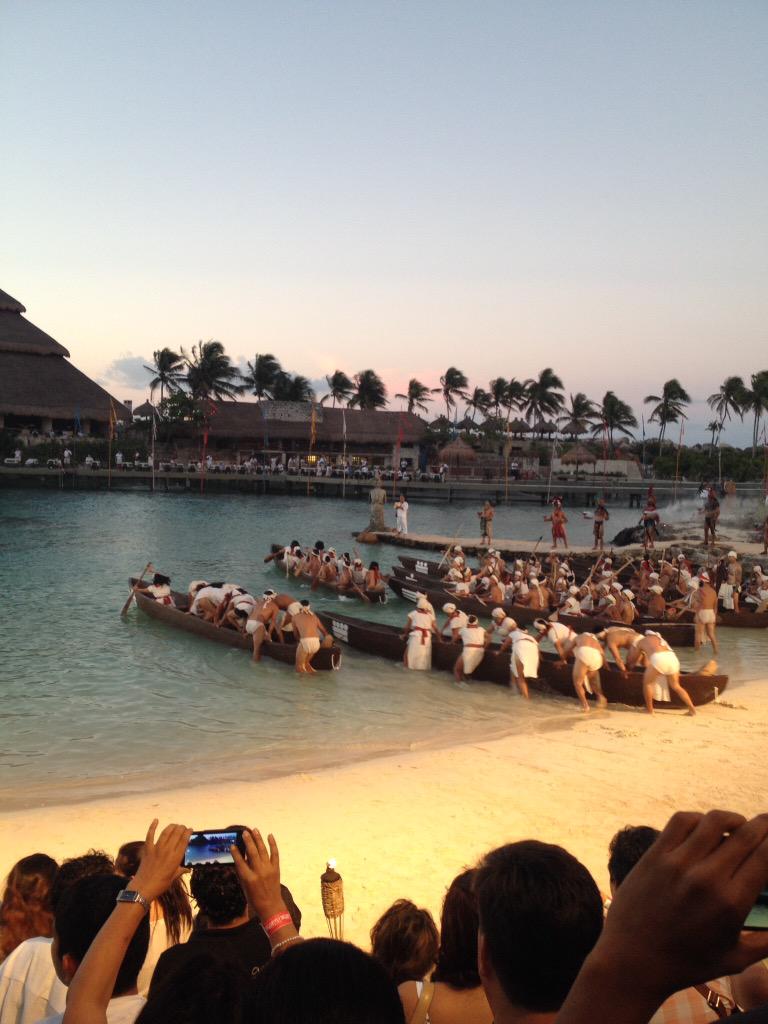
(589, 656)
(418, 655)
(665, 662)
(310, 644)
(471, 658)
(527, 653)
(254, 626)
(706, 616)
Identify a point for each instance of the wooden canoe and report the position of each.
(374, 596)
(736, 620)
(678, 634)
(326, 659)
(386, 641)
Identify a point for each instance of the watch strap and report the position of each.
(132, 896)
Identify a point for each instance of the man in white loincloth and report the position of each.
(524, 660)
(704, 605)
(473, 641)
(419, 629)
(617, 638)
(588, 659)
(731, 587)
(261, 621)
(662, 671)
(308, 630)
(558, 635)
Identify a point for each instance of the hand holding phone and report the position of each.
(212, 846)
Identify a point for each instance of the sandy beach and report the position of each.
(405, 825)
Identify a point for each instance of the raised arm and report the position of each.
(259, 874)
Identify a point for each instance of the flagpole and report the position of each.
(154, 434)
(112, 423)
(344, 454)
(677, 463)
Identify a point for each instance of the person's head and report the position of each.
(457, 956)
(94, 862)
(405, 941)
(627, 847)
(323, 981)
(26, 903)
(159, 580)
(540, 915)
(203, 989)
(79, 916)
(177, 912)
(374, 566)
(217, 893)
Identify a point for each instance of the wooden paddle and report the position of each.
(453, 541)
(147, 568)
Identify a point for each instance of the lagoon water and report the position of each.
(94, 705)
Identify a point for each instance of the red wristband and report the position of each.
(276, 922)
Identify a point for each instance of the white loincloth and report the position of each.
(254, 626)
(706, 616)
(310, 644)
(526, 651)
(589, 656)
(471, 658)
(419, 651)
(666, 663)
(725, 593)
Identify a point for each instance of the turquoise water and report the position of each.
(93, 704)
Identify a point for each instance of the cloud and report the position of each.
(128, 371)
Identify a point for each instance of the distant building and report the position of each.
(40, 391)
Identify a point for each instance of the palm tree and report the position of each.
(168, 371)
(615, 416)
(453, 385)
(369, 392)
(729, 397)
(578, 416)
(340, 388)
(713, 427)
(543, 396)
(478, 401)
(497, 392)
(210, 373)
(668, 406)
(262, 373)
(288, 387)
(756, 402)
(417, 395)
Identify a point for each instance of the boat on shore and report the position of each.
(327, 659)
(679, 634)
(386, 641)
(374, 596)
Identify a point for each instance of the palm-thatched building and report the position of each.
(40, 390)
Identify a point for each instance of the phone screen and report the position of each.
(211, 848)
(758, 915)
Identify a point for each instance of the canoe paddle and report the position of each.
(148, 568)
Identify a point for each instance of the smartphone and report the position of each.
(757, 918)
(212, 847)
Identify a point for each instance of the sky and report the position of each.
(499, 186)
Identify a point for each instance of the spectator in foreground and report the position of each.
(677, 919)
(29, 988)
(80, 914)
(454, 994)
(170, 916)
(540, 916)
(25, 911)
(405, 941)
(694, 1005)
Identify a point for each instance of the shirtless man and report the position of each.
(501, 624)
(524, 660)
(588, 659)
(618, 638)
(538, 597)
(602, 516)
(662, 670)
(558, 519)
(731, 588)
(495, 592)
(657, 606)
(309, 630)
(704, 605)
(486, 515)
(558, 635)
(374, 579)
(327, 573)
(456, 621)
(711, 516)
(473, 643)
(261, 621)
(206, 601)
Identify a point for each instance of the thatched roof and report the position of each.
(457, 453)
(441, 423)
(143, 411)
(467, 424)
(518, 426)
(578, 455)
(543, 427)
(36, 379)
(292, 421)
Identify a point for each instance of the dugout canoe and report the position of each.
(374, 596)
(327, 659)
(737, 620)
(678, 634)
(581, 565)
(386, 641)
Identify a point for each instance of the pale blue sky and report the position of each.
(499, 186)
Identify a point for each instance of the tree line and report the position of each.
(186, 380)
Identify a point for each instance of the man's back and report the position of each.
(246, 946)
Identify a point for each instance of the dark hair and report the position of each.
(627, 847)
(457, 955)
(80, 914)
(217, 892)
(374, 565)
(405, 941)
(94, 862)
(160, 580)
(323, 981)
(203, 989)
(25, 910)
(177, 912)
(540, 915)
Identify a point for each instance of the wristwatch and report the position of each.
(131, 896)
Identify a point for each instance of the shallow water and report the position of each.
(94, 704)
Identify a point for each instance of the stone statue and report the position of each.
(378, 499)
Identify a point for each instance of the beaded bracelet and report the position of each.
(276, 922)
(285, 942)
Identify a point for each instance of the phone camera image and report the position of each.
(211, 847)
(758, 915)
